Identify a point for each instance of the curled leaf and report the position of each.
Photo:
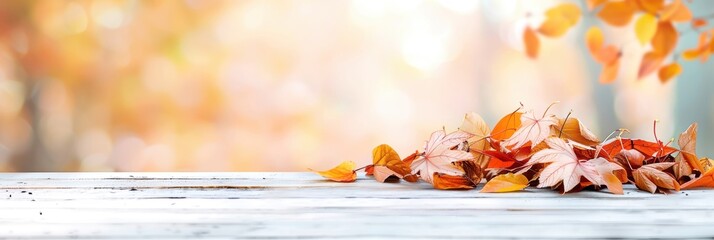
(532, 44)
(384, 155)
(508, 182)
(573, 129)
(669, 71)
(345, 172)
(384, 174)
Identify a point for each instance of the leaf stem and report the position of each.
(362, 168)
(564, 121)
(549, 106)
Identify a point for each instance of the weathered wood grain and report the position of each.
(302, 205)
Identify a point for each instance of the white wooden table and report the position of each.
(302, 205)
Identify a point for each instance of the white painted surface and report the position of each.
(302, 205)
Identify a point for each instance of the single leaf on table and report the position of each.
(531, 41)
(665, 39)
(564, 166)
(476, 126)
(645, 28)
(438, 155)
(651, 61)
(669, 71)
(676, 12)
(506, 126)
(384, 155)
(445, 182)
(508, 182)
(533, 130)
(573, 129)
(617, 13)
(651, 177)
(345, 172)
(650, 6)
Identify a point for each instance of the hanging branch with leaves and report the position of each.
(657, 23)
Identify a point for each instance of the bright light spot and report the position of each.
(107, 15)
(392, 105)
(75, 18)
(427, 45)
(500, 10)
(460, 6)
(12, 97)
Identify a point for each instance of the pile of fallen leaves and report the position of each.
(524, 149)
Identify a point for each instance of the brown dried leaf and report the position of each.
(651, 177)
(445, 182)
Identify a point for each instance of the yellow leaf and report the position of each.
(645, 28)
(532, 43)
(676, 12)
(651, 61)
(384, 155)
(594, 40)
(617, 13)
(506, 183)
(575, 130)
(559, 19)
(476, 126)
(665, 39)
(609, 72)
(569, 11)
(668, 72)
(342, 173)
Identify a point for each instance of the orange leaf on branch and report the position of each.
(669, 71)
(345, 172)
(617, 13)
(532, 44)
(676, 12)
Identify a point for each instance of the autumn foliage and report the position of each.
(526, 148)
(656, 24)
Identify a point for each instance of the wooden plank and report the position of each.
(302, 205)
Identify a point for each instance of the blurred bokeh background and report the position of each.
(270, 85)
